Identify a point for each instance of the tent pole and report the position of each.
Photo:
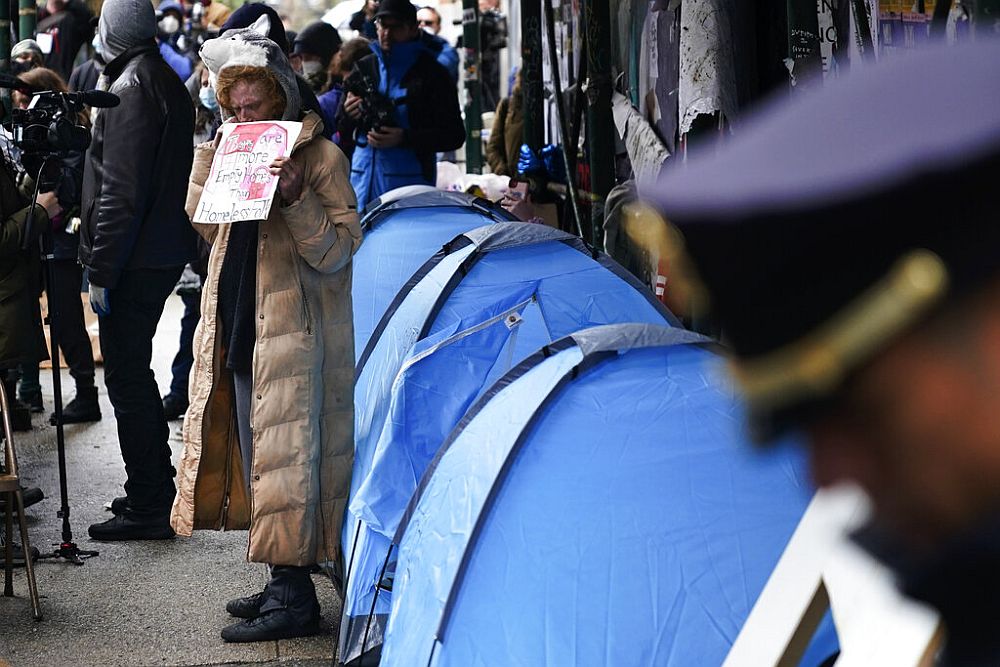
(473, 88)
(600, 124)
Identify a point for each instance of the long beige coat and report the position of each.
(302, 403)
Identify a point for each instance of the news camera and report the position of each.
(48, 128)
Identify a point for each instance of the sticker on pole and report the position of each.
(240, 185)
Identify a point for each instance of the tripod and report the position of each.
(66, 549)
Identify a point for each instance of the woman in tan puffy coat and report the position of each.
(268, 436)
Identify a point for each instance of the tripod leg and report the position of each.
(8, 563)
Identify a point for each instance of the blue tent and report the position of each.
(401, 230)
(490, 298)
(598, 505)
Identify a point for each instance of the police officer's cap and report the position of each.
(833, 222)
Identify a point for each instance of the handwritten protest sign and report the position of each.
(240, 185)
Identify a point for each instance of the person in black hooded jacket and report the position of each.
(135, 239)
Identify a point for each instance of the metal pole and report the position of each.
(27, 18)
(473, 88)
(4, 55)
(803, 42)
(564, 136)
(531, 73)
(600, 124)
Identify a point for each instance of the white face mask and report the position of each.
(169, 24)
(311, 67)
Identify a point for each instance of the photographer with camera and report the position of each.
(134, 242)
(401, 122)
(64, 292)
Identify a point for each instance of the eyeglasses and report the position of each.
(427, 22)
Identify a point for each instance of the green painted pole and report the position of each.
(473, 88)
(531, 73)
(27, 18)
(600, 123)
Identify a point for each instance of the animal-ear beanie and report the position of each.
(250, 47)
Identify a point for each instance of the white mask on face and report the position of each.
(311, 67)
(169, 24)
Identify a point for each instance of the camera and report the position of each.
(377, 110)
(47, 127)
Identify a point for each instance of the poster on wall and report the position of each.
(240, 185)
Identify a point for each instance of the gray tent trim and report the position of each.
(379, 210)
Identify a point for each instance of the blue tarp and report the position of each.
(473, 312)
(599, 505)
(399, 236)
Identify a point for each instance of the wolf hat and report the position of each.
(250, 47)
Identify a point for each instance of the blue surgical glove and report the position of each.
(100, 299)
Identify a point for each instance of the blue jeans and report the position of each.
(180, 370)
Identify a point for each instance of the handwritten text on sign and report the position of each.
(240, 185)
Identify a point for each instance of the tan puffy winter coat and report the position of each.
(302, 403)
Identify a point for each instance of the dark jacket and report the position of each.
(364, 25)
(84, 77)
(70, 30)
(135, 181)
(21, 339)
(426, 102)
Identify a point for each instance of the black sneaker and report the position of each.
(276, 624)
(132, 525)
(174, 406)
(248, 607)
(30, 496)
(83, 408)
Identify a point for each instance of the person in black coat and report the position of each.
(135, 240)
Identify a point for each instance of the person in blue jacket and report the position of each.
(417, 94)
(170, 18)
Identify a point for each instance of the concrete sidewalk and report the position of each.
(137, 603)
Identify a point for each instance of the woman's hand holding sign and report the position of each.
(289, 175)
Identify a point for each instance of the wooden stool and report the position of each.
(11, 488)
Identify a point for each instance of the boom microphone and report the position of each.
(96, 98)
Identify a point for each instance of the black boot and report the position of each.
(20, 416)
(248, 607)
(83, 408)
